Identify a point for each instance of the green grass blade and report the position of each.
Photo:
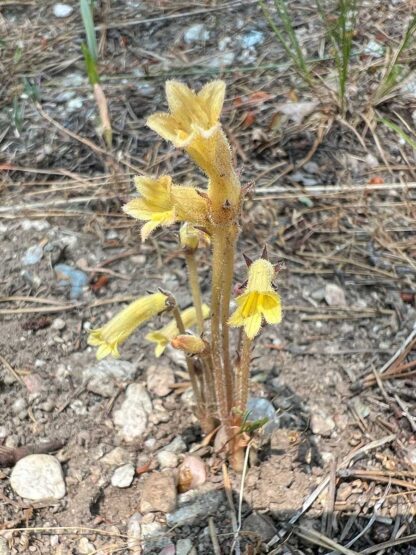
(87, 19)
(394, 127)
(90, 64)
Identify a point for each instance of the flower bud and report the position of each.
(189, 344)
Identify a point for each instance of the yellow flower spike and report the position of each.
(165, 335)
(190, 344)
(109, 337)
(161, 204)
(259, 300)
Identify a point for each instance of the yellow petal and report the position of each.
(252, 325)
(212, 95)
(170, 129)
(272, 308)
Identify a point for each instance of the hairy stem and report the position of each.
(243, 374)
(218, 243)
(195, 289)
(228, 273)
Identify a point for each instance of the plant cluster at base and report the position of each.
(208, 216)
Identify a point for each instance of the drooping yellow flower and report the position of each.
(165, 335)
(161, 204)
(118, 329)
(259, 300)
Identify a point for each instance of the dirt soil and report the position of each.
(329, 199)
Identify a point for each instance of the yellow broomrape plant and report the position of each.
(118, 329)
(165, 335)
(259, 301)
(161, 204)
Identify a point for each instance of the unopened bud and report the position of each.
(189, 344)
(189, 237)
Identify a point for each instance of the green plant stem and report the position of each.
(243, 374)
(195, 289)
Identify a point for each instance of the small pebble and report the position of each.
(123, 476)
(160, 380)
(62, 10)
(196, 33)
(321, 424)
(167, 459)
(85, 547)
(183, 546)
(4, 548)
(33, 255)
(334, 295)
(58, 324)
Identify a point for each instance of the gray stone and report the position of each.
(259, 408)
(85, 547)
(321, 424)
(123, 476)
(176, 446)
(38, 477)
(202, 505)
(196, 33)
(166, 459)
(259, 526)
(183, 547)
(159, 493)
(160, 380)
(104, 377)
(154, 536)
(334, 295)
(132, 417)
(222, 59)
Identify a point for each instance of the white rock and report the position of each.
(183, 547)
(196, 33)
(334, 295)
(123, 476)
(85, 547)
(134, 533)
(37, 225)
(222, 59)
(167, 459)
(131, 418)
(321, 424)
(38, 477)
(160, 380)
(58, 324)
(62, 10)
(104, 377)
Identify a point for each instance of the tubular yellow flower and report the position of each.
(165, 335)
(161, 204)
(259, 301)
(190, 344)
(191, 115)
(118, 329)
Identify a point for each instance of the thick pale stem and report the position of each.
(195, 289)
(218, 241)
(228, 272)
(243, 374)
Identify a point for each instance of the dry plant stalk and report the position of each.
(219, 380)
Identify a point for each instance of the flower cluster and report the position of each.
(210, 216)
